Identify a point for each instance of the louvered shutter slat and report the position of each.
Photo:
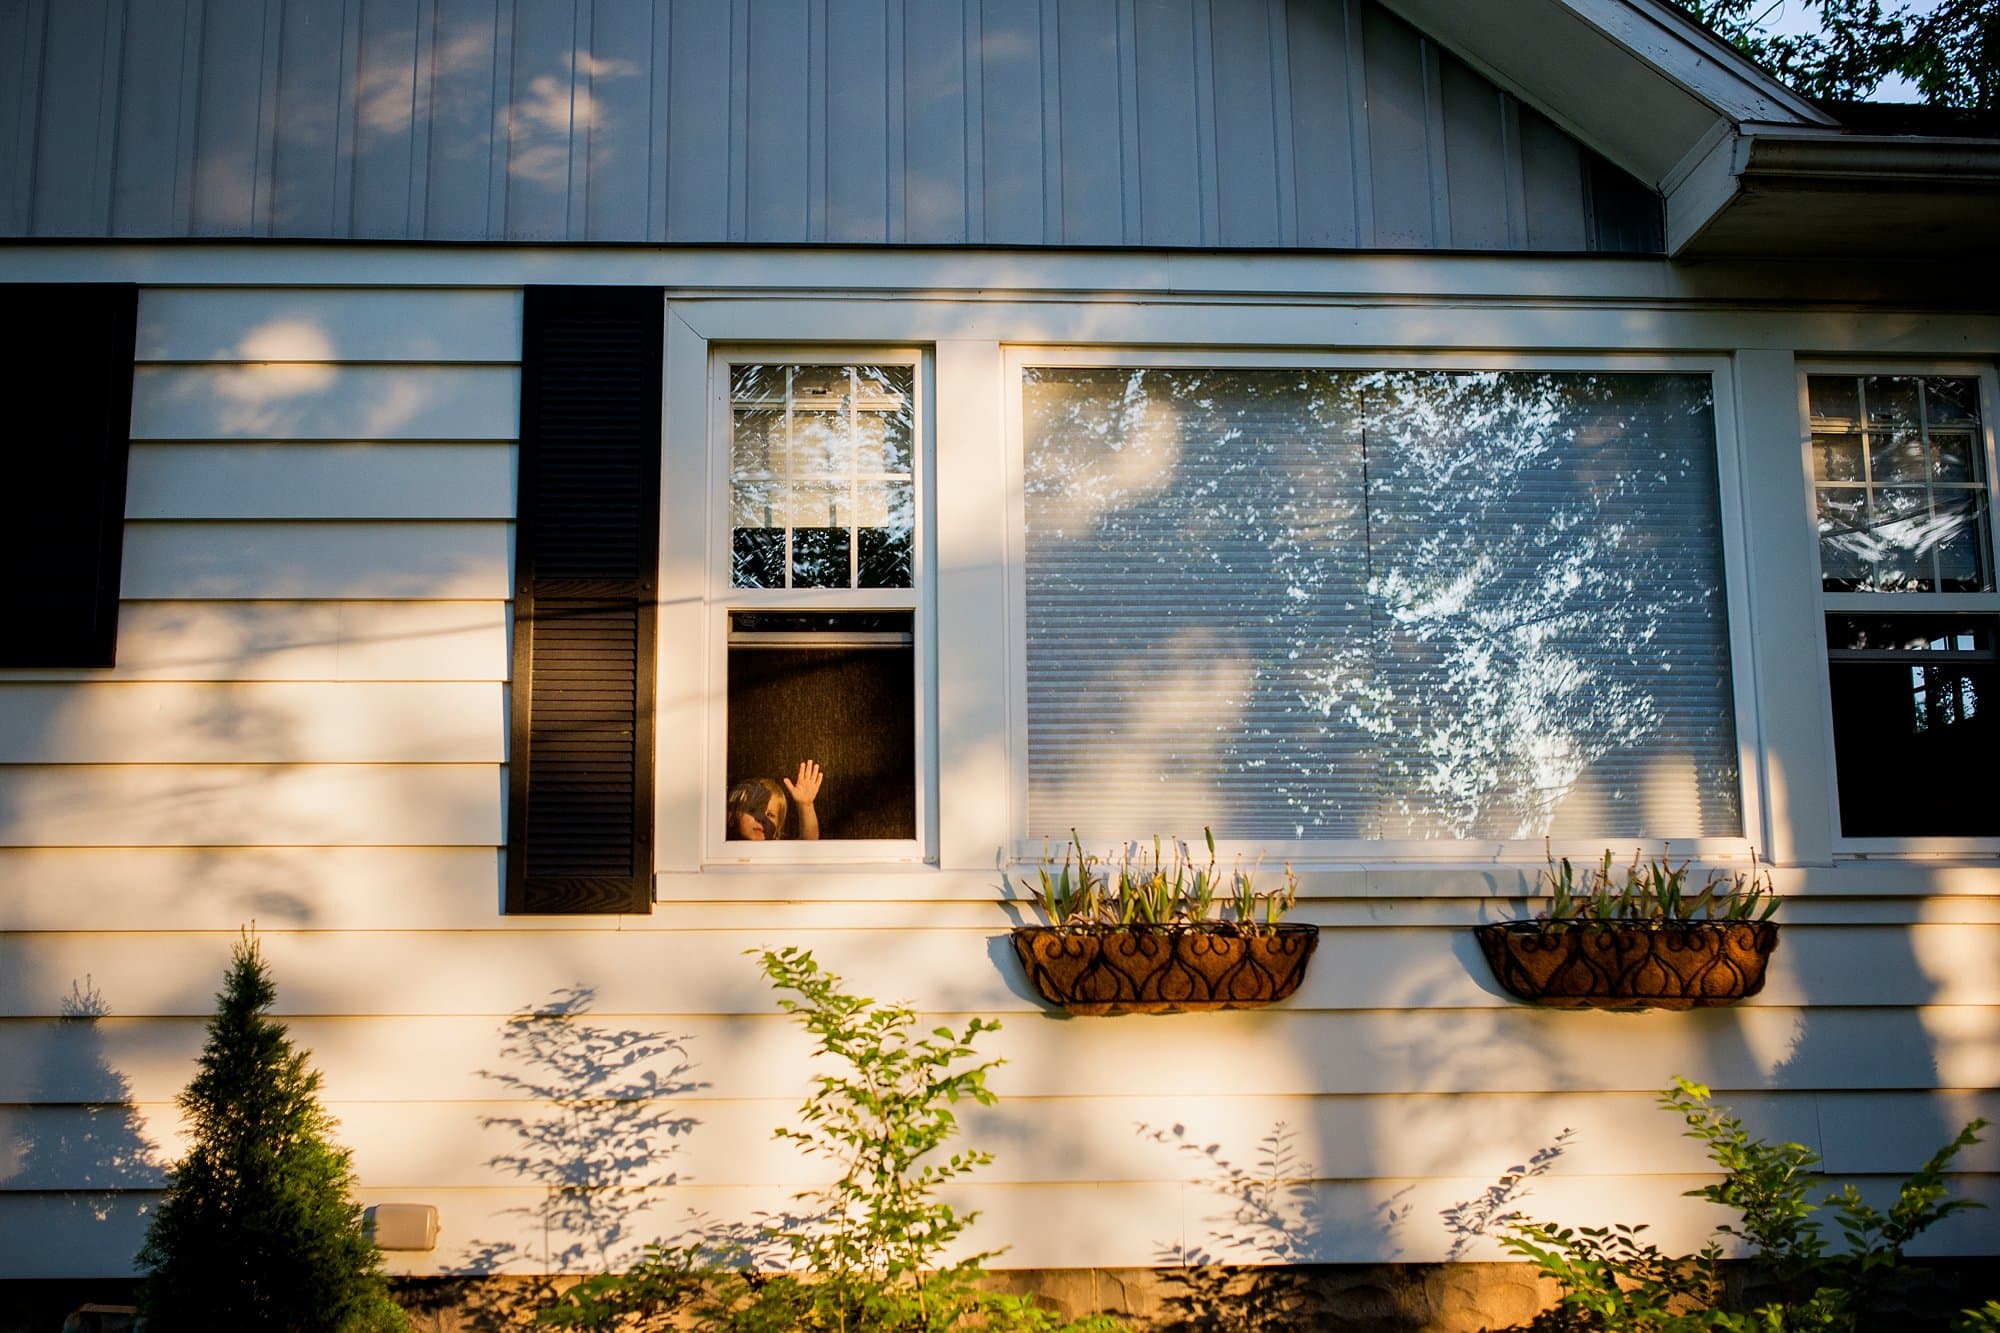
(581, 784)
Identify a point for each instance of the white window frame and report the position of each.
(720, 598)
(1347, 852)
(1847, 848)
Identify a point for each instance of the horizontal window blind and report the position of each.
(1323, 604)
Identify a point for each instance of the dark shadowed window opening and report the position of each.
(838, 687)
(1913, 729)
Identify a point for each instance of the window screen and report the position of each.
(1406, 604)
(837, 688)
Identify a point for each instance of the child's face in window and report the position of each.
(760, 828)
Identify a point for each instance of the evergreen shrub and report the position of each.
(258, 1229)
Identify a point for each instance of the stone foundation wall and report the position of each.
(1357, 1298)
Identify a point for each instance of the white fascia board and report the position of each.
(1824, 166)
(1704, 189)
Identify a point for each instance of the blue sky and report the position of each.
(1793, 16)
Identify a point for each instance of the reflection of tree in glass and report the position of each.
(1544, 559)
(1194, 538)
(1382, 604)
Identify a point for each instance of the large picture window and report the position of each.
(1900, 474)
(822, 617)
(1401, 604)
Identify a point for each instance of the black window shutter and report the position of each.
(66, 377)
(580, 774)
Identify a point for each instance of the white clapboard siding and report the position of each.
(291, 561)
(329, 640)
(468, 1144)
(528, 1230)
(225, 805)
(173, 722)
(962, 971)
(318, 324)
(206, 888)
(1503, 884)
(196, 889)
(955, 904)
(1259, 1053)
(256, 481)
(318, 401)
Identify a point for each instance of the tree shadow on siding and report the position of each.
(80, 1139)
(1499, 1203)
(596, 1137)
(1258, 1266)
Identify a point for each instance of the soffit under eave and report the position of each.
(1630, 78)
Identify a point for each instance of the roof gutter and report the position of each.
(1822, 167)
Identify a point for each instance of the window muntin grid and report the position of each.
(822, 475)
(1899, 479)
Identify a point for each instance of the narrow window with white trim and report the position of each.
(1902, 495)
(820, 603)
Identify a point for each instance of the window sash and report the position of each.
(1896, 601)
(1727, 691)
(723, 597)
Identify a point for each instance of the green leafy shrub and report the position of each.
(867, 1256)
(257, 1230)
(1614, 1279)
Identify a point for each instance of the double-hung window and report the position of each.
(1401, 605)
(821, 627)
(1902, 466)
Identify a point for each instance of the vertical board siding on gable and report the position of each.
(855, 143)
(935, 112)
(151, 185)
(388, 127)
(1185, 123)
(779, 98)
(699, 159)
(460, 160)
(1171, 167)
(1090, 139)
(618, 171)
(68, 171)
(1247, 49)
(1010, 81)
(311, 101)
(540, 118)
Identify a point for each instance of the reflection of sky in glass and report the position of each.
(822, 475)
(1407, 604)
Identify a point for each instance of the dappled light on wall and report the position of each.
(1463, 605)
